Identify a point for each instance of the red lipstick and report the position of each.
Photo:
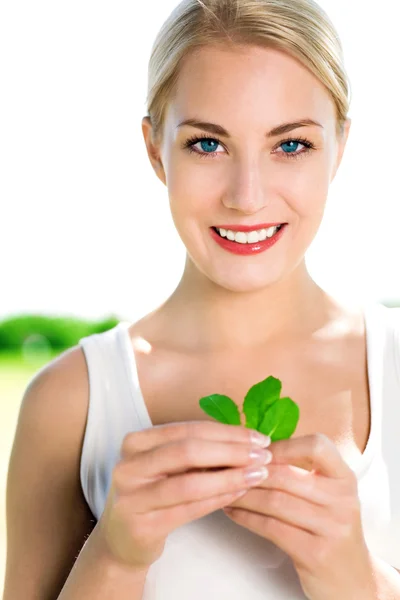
(247, 249)
(247, 228)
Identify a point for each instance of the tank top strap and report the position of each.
(112, 411)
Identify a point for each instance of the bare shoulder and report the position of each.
(48, 519)
(60, 390)
(56, 403)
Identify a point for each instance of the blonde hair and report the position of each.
(300, 28)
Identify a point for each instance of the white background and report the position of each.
(82, 212)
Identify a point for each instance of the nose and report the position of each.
(246, 189)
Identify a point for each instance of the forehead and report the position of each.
(250, 82)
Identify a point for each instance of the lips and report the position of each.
(218, 233)
(247, 249)
(248, 228)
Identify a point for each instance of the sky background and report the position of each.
(82, 213)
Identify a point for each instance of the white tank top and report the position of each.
(214, 557)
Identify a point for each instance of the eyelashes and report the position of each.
(192, 141)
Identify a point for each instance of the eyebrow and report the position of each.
(219, 130)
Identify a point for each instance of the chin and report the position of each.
(245, 280)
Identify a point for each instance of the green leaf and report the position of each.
(258, 398)
(280, 420)
(222, 408)
(264, 410)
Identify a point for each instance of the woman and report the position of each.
(247, 127)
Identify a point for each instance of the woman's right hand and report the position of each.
(169, 475)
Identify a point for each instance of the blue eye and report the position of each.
(209, 146)
(204, 142)
(290, 142)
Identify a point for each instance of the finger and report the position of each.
(311, 452)
(313, 487)
(144, 439)
(184, 487)
(296, 542)
(180, 456)
(289, 509)
(165, 520)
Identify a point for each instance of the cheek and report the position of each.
(194, 191)
(306, 191)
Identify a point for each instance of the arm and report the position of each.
(386, 580)
(96, 576)
(47, 516)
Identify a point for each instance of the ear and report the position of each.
(153, 149)
(341, 146)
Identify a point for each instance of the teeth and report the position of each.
(248, 238)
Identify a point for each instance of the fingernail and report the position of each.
(260, 439)
(240, 494)
(253, 476)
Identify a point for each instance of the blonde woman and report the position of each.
(119, 485)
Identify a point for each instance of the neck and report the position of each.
(208, 317)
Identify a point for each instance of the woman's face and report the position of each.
(248, 177)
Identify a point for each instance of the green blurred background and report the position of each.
(27, 343)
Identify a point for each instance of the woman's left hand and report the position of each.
(313, 514)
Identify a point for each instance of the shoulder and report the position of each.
(69, 367)
(59, 393)
(70, 362)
